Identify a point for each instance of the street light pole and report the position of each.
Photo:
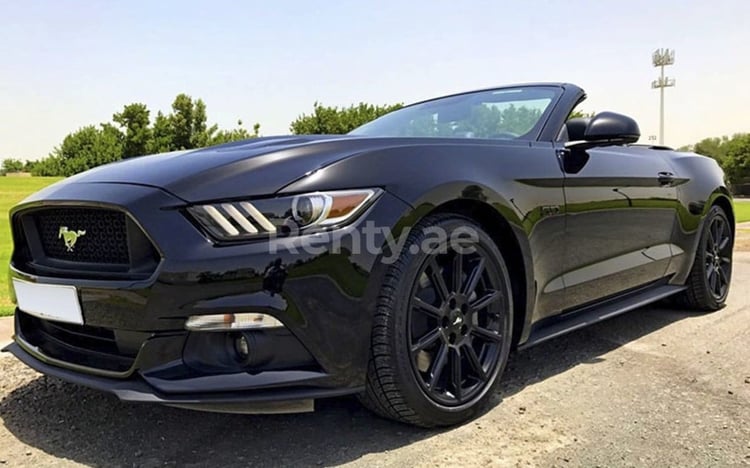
(662, 58)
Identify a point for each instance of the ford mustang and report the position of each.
(402, 262)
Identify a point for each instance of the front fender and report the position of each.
(519, 182)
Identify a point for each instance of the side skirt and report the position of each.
(568, 322)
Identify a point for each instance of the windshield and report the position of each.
(508, 113)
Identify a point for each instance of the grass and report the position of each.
(742, 211)
(12, 191)
(15, 189)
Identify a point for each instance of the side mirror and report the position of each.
(608, 128)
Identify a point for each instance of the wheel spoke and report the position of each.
(458, 272)
(724, 243)
(717, 285)
(712, 279)
(710, 255)
(488, 335)
(726, 260)
(489, 298)
(711, 239)
(719, 229)
(716, 231)
(438, 365)
(429, 309)
(474, 276)
(426, 341)
(723, 279)
(436, 275)
(473, 359)
(456, 376)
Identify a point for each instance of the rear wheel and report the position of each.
(442, 330)
(708, 283)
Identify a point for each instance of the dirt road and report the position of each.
(655, 387)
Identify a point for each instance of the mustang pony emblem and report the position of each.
(70, 237)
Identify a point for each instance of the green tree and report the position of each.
(202, 134)
(577, 114)
(189, 123)
(327, 120)
(712, 147)
(488, 121)
(519, 120)
(181, 121)
(736, 158)
(87, 148)
(134, 120)
(12, 165)
(235, 134)
(132, 134)
(485, 121)
(51, 166)
(732, 154)
(162, 139)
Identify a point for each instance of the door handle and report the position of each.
(665, 178)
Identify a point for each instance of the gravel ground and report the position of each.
(655, 387)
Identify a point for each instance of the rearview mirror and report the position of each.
(608, 128)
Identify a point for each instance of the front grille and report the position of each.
(94, 347)
(82, 242)
(100, 235)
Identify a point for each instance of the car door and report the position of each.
(621, 208)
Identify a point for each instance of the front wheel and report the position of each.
(442, 330)
(708, 283)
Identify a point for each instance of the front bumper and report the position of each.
(137, 390)
(325, 301)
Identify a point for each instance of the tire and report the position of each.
(428, 335)
(711, 275)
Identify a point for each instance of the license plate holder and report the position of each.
(56, 302)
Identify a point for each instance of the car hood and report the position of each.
(249, 168)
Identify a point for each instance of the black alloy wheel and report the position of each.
(711, 275)
(442, 330)
(718, 257)
(455, 325)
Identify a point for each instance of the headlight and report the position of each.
(237, 220)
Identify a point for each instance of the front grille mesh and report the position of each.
(105, 239)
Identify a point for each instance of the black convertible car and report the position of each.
(401, 263)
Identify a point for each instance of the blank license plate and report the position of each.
(49, 301)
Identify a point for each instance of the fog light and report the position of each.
(224, 322)
(242, 348)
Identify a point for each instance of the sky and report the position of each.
(65, 64)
